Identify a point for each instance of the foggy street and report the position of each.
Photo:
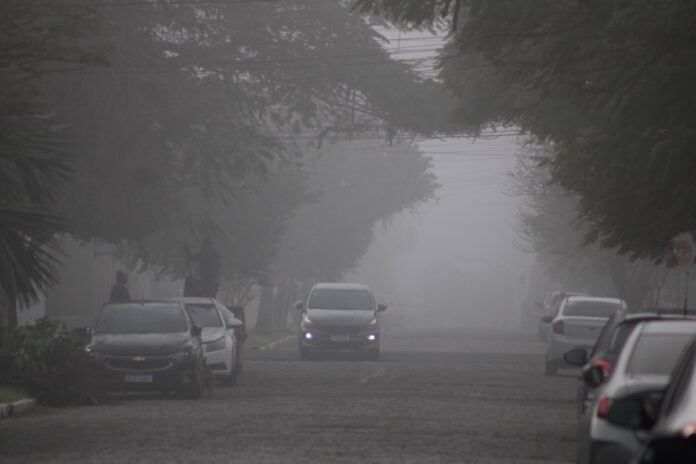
(466, 397)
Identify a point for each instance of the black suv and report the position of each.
(146, 345)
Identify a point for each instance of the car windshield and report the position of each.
(334, 298)
(204, 315)
(141, 318)
(656, 354)
(585, 308)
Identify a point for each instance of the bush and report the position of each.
(45, 360)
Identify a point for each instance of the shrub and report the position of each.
(45, 360)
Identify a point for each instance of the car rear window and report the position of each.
(590, 308)
(204, 315)
(656, 354)
(334, 298)
(620, 335)
(141, 318)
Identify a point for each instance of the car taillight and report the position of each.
(603, 406)
(689, 431)
(606, 366)
(557, 327)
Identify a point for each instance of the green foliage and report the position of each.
(45, 360)
(610, 83)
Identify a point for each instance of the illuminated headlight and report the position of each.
(308, 335)
(372, 337)
(216, 345)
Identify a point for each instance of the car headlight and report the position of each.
(306, 323)
(216, 345)
(183, 355)
(372, 324)
(94, 355)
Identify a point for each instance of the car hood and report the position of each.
(139, 344)
(340, 317)
(210, 334)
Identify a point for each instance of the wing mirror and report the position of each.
(382, 307)
(233, 323)
(576, 357)
(593, 376)
(638, 412)
(300, 306)
(547, 319)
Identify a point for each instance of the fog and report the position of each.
(457, 260)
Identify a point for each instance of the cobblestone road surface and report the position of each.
(468, 397)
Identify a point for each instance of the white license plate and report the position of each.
(138, 378)
(340, 338)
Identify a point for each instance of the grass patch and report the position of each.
(9, 395)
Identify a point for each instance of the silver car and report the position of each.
(579, 321)
(607, 429)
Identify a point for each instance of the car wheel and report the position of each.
(550, 368)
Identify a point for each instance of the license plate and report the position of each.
(138, 378)
(340, 338)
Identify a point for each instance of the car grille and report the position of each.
(138, 365)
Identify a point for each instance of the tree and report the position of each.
(35, 39)
(617, 105)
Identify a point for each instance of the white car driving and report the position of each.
(218, 335)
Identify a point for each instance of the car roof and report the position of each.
(669, 326)
(195, 300)
(138, 302)
(341, 286)
(594, 298)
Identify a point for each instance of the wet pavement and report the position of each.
(435, 397)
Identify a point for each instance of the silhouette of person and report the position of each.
(119, 292)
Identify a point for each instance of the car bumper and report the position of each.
(328, 342)
(173, 376)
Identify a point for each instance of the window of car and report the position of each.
(656, 354)
(683, 378)
(335, 298)
(204, 314)
(586, 308)
(620, 335)
(141, 318)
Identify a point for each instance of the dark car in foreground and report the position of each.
(146, 346)
(607, 429)
(673, 437)
(340, 317)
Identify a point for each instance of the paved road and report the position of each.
(434, 398)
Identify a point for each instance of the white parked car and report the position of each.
(577, 324)
(218, 335)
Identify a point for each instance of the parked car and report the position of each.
(549, 308)
(146, 345)
(607, 429)
(673, 436)
(340, 317)
(598, 366)
(218, 335)
(578, 324)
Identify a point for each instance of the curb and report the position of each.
(16, 408)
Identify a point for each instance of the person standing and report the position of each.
(119, 292)
(208, 260)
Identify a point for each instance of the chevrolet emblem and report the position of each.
(138, 358)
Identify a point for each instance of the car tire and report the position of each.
(550, 368)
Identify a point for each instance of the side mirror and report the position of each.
(638, 412)
(547, 319)
(300, 306)
(196, 330)
(381, 307)
(593, 376)
(576, 357)
(233, 323)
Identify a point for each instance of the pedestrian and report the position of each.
(119, 292)
(208, 260)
